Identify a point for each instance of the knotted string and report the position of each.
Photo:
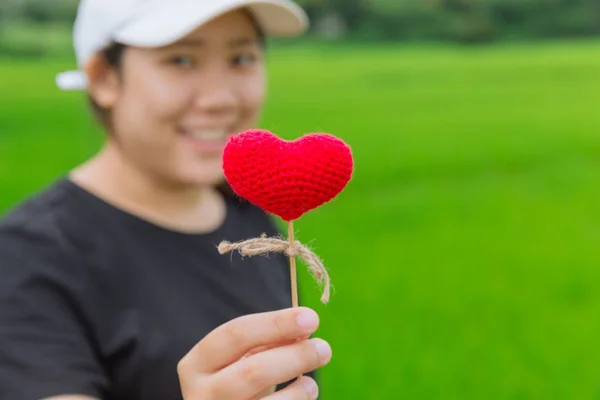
(264, 245)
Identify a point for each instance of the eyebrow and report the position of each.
(237, 42)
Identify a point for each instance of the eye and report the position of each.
(242, 60)
(182, 61)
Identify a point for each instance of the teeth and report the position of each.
(204, 135)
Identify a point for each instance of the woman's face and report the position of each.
(173, 108)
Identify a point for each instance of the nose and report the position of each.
(215, 94)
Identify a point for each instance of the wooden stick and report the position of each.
(293, 274)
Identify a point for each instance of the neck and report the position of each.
(119, 182)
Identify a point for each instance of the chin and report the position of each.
(199, 174)
(204, 178)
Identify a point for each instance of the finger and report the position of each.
(265, 393)
(250, 376)
(232, 340)
(272, 346)
(304, 389)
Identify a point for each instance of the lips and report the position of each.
(207, 141)
(206, 135)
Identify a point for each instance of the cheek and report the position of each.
(153, 99)
(252, 96)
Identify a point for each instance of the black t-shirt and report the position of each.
(96, 301)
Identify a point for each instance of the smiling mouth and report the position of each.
(206, 140)
(206, 136)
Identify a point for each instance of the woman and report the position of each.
(112, 287)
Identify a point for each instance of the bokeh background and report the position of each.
(465, 253)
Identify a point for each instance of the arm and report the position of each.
(45, 350)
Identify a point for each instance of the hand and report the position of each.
(248, 356)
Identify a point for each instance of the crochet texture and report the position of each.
(287, 178)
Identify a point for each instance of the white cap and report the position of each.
(155, 23)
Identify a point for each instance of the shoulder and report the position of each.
(35, 234)
(38, 218)
(35, 216)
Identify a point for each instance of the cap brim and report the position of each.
(165, 23)
(71, 80)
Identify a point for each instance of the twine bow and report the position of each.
(264, 245)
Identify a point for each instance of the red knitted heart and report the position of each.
(287, 178)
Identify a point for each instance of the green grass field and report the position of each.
(465, 253)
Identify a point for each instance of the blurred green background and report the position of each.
(465, 252)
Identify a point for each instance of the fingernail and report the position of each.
(311, 387)
(307, 319)
(323, 349)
